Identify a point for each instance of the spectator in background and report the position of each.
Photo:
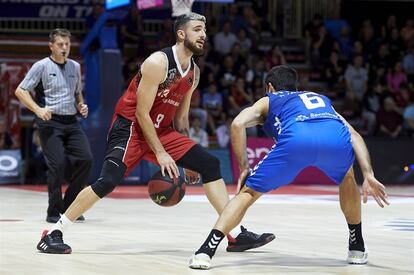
(346, 42)
(312, 27)
(253, 21)
(205, 70)
(312, 33)
(390, 24)
(389, 121)
(196, 110)
(378, 75)
(320, 48)
(227, 74)
(244, 41)
(369, 42)
(403, 97)
(211, 57)
(409, 117)
(257, 88)
(258, 70)
(407, 33)
(395, 78)
(395, 45)
(335, 24)
(275, 57)
(240, 97)
(197, 134)
(223, 133)
(356, 77)
(242, 71)
(236, 21)
(224, 40)
(238, 59)
(382, 57)
(357, 49)
(408, 64)
(334, 72)
(212, 102)
(371, 104)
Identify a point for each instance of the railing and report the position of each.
(152, 27)
(40, 25)
(299, 12)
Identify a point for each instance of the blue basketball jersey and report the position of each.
(308, 133)
(286, 108)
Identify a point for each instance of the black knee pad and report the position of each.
(112, 172)
(210, 170)
(199, 160)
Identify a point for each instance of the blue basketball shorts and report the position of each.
(325, 144)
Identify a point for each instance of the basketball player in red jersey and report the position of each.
(151, 123)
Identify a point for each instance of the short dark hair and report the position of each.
(58, 32)
(183, 19)
(282, 78)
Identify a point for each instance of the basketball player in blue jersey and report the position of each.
(308, 132)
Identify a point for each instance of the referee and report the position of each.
(56, 82)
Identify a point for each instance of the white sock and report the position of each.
(62, 224)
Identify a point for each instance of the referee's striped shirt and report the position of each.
(55, 85)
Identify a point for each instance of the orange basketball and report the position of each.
(166, 191)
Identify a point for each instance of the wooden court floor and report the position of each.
(129, 234)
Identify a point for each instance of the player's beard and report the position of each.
(193, 47)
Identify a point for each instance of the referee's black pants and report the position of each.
(64, 143)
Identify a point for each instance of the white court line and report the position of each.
(295, 199)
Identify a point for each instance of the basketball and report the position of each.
(166, 191)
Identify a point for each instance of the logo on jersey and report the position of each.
(171, 74)
(190, 81)
(278, 125)
(163, 93)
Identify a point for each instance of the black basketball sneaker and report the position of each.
(53, 243)
(247, 240)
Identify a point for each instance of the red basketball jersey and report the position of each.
(169, 95)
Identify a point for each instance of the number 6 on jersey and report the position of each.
(312, 100)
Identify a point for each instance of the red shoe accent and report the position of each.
(44, 233)
(231, 239)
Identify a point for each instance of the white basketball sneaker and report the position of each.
(200, 261)
(357, 257)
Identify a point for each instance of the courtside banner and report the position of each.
(46, 8)
(148, 4)
(257, 148)
(10, 163)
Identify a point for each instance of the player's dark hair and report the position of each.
(183, 19)
(282, 78)
(58, 32)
